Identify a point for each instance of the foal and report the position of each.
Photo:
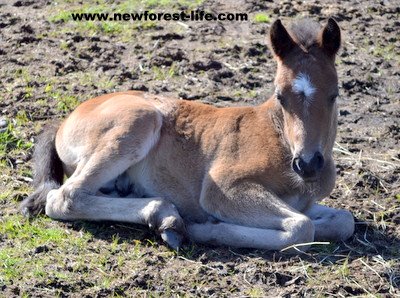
(238, 176)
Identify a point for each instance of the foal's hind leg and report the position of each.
(77, 198)
(331, 224)
(157, 213)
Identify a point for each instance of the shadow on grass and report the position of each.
(367, 242)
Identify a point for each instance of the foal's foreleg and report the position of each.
(222, 233)
(331, 224)
(250, 216)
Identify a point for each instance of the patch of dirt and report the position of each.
(46, 69)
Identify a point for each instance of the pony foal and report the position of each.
(238, 176)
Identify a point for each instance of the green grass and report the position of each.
(8, 265)
(66, 103)
(11, 140)
(26, 236)
(262, 18)
(67, 253)
(32, 233)
(387, 52)
(164, 73)
(255, 292)
(63, 101)
(6, 194)
(243, 94)
(344, 269)
(398, 197)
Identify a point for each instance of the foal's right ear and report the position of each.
(280, 40)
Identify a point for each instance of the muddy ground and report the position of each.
(48, 64)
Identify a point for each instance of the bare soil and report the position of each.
(48, 65)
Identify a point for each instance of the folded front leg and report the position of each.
(250, 216)
(295, 231)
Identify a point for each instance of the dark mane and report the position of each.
(305, 32)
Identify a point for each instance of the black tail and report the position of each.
(48, 172)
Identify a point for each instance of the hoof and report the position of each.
(172, 238)
(32, 206)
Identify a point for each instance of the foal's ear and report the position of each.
(281, 42)
(330, 37)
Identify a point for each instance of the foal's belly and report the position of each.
(153, 181)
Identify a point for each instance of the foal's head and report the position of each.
(306, 88)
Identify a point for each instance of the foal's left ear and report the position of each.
(330, 37)
(280, 40)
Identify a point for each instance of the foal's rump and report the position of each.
(119, 125)
(115, 124)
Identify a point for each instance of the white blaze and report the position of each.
(302, 85)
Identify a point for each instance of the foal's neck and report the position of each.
(272, 108)
(273, 113)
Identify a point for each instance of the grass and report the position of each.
(66, 103)
(262, 18)
(343, 269)
(164, 73)
(28, 236)
(32, 253)
(32, 233)
(388, 52)
(12, 141)
(256, 292)
(385, 50)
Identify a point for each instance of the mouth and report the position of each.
(310, 180)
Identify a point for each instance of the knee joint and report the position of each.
(61, 202)
(56, 204)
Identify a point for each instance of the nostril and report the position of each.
(298, 165)
(319, 160)
(310, 169)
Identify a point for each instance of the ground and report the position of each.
(49, 63)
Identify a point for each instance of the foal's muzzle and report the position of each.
(308, 170)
